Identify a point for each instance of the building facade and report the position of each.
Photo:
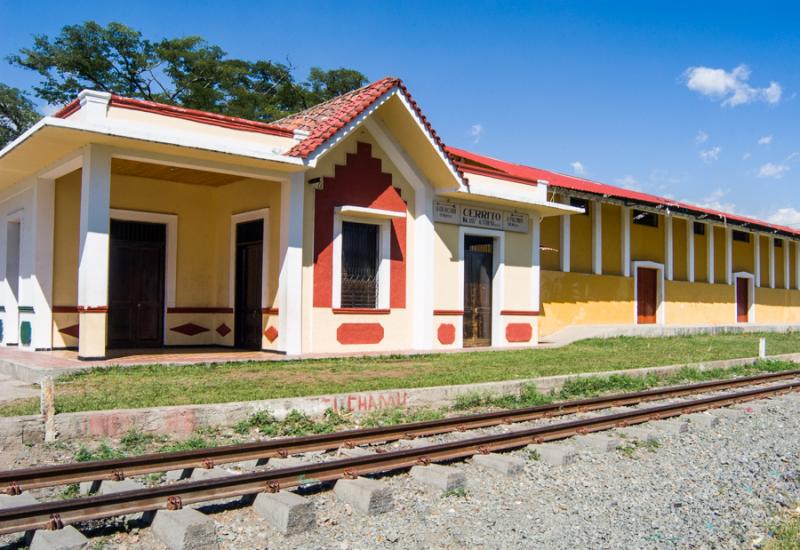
(346, 227)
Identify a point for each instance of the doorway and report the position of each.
(478, 275)
(247, 304)
(136, 284)
(646, 295)
(742, 300)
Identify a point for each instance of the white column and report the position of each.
(597, 237)
(625, 239)
(797, 265)
(710, 253)
(536, 235)
(728, 256)
(565, 241)
(786, 277)
(690, 250)
(93, 259)
(771, 256)
(423, 276)
(42, 276)
(668, 261)
(290, 298)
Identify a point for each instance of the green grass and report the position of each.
(784, 535)
(158, 385)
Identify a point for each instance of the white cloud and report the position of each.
(770, 170)
(476, 132)
(766, 140)
(793, 157)
(701, 137)
(714, 201)
(628, 182)
(710, 155)
(785, 216)
(746, 156)
(731, 88)
(578, 168)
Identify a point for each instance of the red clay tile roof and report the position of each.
(324, 120)
(480, 164)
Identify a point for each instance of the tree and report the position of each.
(184, 71)
(17, 113)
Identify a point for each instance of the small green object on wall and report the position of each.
(25, 333)
(1, 330)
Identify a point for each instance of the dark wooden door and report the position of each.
(646, 299)
(478, 272)
(742, 299)
(247, 322)
(136, 284)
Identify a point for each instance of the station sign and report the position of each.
(478, 216)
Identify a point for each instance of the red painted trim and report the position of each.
(360, 311)
(521, 312)
(189, 329)
(446, 334)
(519, 332)
(233, 123)
(269, 311)
(71, 107)
(65, 309)
(199, 310)
(271, 333)
(359, 333)
(92, 309)
(72, 330)
(359, 182)
(448, 312)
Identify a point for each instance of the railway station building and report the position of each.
(348, 227)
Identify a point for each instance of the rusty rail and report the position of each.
(15, 481)
(55, 514)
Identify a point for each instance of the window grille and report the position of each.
(359, 265)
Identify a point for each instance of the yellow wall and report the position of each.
(679, 245)
(743, 256)
(779, 279)
(777, 306)
(719, 255)
(701, 257)
(612, 242)
(203, 251)
(699, 304)
(581, 242)
(550, 243)
(577, 298)
(647, 243)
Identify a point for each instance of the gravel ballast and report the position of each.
(710, 487)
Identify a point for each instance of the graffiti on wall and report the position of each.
(365, 402)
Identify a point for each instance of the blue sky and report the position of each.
(693, 100)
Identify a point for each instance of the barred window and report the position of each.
(359, 265)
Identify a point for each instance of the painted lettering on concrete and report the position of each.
(365, 402)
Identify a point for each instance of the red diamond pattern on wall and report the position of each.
(223, 330)
(72, 330)
(271, 333)
(189, 329)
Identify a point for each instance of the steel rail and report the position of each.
(53, 515)
(15, 481)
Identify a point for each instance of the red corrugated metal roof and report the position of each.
(467, 161)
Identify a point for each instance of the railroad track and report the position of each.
(51, 515)
(18, 480)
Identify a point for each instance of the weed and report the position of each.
(628, 450)
(72, 490)
(534, 454)
(458, 492)
(104, 451)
